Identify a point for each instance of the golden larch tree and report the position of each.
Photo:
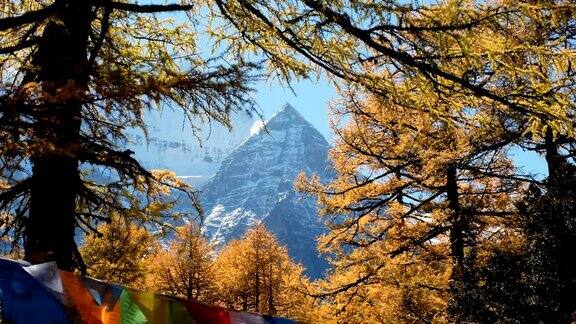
(76, 77)
(119, 252)
(184, 268)
(412, 192)
(256, 274)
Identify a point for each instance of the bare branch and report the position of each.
(28, 17)
(131, 7)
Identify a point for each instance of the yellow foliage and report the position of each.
(392, 217)
(256, 274)
(184, 268)
(120, 253)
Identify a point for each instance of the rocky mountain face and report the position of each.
(255, 183)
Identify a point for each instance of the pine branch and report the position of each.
(105, 26)
(9, 195)
(20, 46)
(131, 7)
(344, 22)
(28, 17)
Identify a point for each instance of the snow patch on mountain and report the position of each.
(256, 127)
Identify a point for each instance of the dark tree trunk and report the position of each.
(461, 280)
(189, 287)
(556, 234)
(271, 306)
(245, 302)
(458, 222)
(257, 285)
(553, 158)
(62, 65)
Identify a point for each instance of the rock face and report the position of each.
(255, 183)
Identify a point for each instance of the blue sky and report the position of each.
(309, 97)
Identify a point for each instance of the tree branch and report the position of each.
(20, 46)
(105, 25)
(363, 35)
(15, 190)
(28, 17)
(145, 8)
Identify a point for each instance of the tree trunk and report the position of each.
(458, 280)
(245, 303)
(257, 285)
(553, 158)
(457, 231)
(190, 264)
(561, 240)
(271, 306)
(62, 65)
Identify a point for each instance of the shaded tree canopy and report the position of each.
(549, 220)
(76, 76)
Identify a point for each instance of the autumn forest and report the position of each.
(430, 217)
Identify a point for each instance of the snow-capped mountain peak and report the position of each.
(255, 184)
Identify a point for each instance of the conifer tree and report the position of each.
(75, 77)
(549, 223)
(412, 187)
(185, 267)
(256, 274)
(119, 252)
